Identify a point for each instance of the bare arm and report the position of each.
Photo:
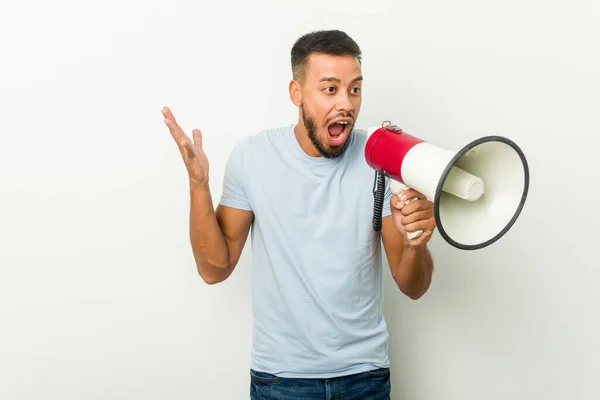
(217, 236)
(410, 261)
(411, 267)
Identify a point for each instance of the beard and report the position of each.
(320, 144)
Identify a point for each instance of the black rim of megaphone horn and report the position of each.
(438, 192)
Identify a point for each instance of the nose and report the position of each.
(344, 104)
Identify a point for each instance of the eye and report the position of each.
(356, 90)
(330, 89)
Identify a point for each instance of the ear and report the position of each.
(295, 93)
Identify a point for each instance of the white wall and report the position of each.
(99, 297)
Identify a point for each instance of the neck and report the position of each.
(306, 145)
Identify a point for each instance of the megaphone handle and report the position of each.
(398, 188)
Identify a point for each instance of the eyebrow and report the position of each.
(337, 80)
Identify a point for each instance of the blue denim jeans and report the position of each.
(372, 385)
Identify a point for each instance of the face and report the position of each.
(329, 99)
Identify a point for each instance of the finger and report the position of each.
(417, 205)
(179, 136)
(411, 194)
(417, 216)
(184, 143)
(175, 129)
(421, 240)
(395, 202)
(166, 112)
(424, 225)
(406, 198)
(171, 123)
(197, 138)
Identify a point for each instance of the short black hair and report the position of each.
(333, 42)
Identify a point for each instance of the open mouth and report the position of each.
(338, 131)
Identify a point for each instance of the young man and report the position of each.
(306, 192)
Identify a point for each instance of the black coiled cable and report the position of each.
(378, 195)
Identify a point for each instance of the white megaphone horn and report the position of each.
(478, 192)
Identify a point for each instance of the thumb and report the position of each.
(197, 135)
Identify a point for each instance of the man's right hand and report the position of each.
(193, 156)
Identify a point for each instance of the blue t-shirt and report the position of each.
(317, 287)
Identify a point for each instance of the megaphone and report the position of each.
(478, 192)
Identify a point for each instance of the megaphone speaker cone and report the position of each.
(503, 170)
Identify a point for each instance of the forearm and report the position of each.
(208, 242)
(413, 273)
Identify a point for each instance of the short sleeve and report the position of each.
(234, 193)
(386, 211)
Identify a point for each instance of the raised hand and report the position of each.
(193, 156)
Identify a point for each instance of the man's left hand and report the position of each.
(414, 216)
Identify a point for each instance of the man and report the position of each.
(306, 192)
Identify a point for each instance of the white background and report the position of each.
(99, 295)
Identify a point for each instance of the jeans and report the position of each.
(372, 385)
